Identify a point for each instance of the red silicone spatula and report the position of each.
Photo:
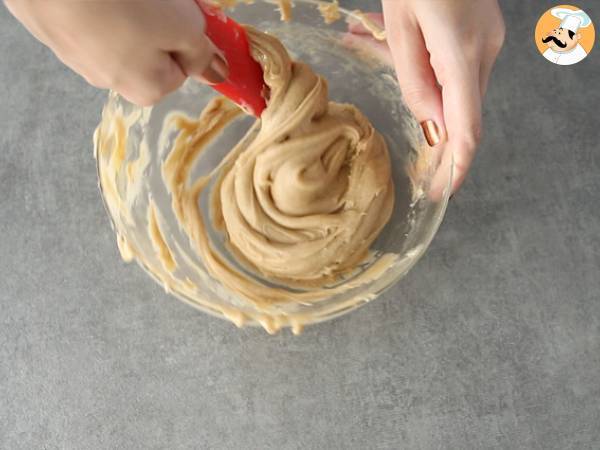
(245, 84)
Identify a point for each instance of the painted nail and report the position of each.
(431, 132)
(217, 71)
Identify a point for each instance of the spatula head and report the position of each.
(245, 84)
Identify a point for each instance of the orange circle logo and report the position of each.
(565, 35)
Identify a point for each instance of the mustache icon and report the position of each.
(556, 41)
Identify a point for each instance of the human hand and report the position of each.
(142, 49)
(444, 52)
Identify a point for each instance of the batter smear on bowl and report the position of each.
(300, 198)
(305, 194)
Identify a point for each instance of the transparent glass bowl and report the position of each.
(354, 77)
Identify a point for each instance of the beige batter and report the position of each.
(304, 195)
(285, 6)
(330, 10)
(305, 198)
(300, 198)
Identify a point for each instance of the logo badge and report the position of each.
(565, 35)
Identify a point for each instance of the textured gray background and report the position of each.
(492, 341)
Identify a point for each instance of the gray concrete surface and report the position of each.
(492, 341)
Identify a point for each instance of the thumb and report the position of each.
(197, 55)
(202, 61)
(416, 77)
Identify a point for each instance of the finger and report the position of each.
(484, 76)
(151, 80)
(440, 185)
(201, 60)
(416, 77)
(462, 113)
(183, 37)
(489, 60)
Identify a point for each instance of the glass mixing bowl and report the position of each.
(130, 154)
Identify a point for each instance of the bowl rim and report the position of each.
(358, 302)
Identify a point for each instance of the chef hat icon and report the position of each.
(572, 20)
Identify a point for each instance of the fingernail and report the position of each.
(431, 132)
(217, 71)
